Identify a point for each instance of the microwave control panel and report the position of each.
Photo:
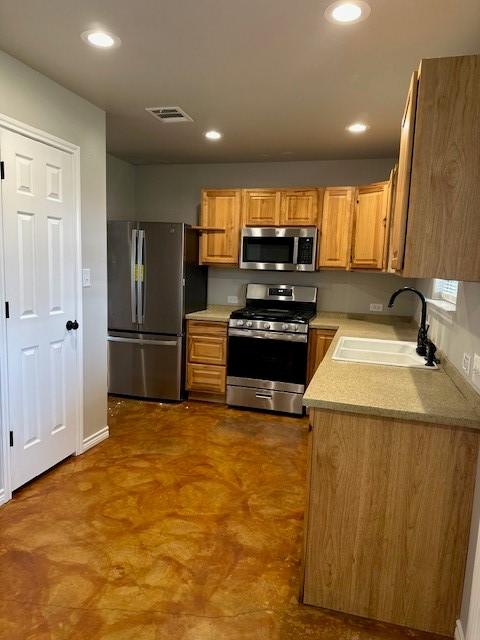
(305, 251)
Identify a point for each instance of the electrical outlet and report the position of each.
(232, 299)
(467, 358)
(86, 278)
(376, 307)
(476, 371)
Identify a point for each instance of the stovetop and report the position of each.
(274, 315)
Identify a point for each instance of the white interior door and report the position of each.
(39, 229)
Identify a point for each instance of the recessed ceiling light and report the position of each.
(357, 127)
(101, 39)
(213, 135)
(343, 12)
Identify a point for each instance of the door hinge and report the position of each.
(7, 310)
(2, 170)
(11, 438)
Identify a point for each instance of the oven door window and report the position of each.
(264, 359)
(269, 250)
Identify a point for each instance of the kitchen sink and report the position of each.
(396, 353)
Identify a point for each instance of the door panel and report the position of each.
(336, 227)
(220, 210)
(299, 208)
(121, 251)
(261, 207)
(40, 283)
(145, 365)
(370, 226)
(162, 278)
(402, 193)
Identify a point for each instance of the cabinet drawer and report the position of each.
(210, 349)
(206, 377)
(204, 328)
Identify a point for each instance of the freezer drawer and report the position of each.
(265, 399)
(145, 366)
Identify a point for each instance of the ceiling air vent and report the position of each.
(169, 114)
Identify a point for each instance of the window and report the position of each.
(446, 290)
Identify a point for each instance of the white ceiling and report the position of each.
(274, 76)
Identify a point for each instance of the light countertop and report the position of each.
(213, 313)
(397, 392)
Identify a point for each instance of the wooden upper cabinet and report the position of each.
(261, 207)
(334, 246)
(400, 209)
(299, 208)
(220, 226)
(436, 218)
(370, 226)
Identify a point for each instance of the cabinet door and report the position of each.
(299, 208)
(319, 341)
(402, 193)
(336, 227)
(207, 349)
(370, 226)
(220, 210)
(207, 378)
(261, 207)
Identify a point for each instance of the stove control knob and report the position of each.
(266, 325)
(295, 327)
(249, 323)
(239, 323)
(285, 327)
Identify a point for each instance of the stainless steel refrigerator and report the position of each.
(153, 280)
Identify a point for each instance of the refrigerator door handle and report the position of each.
(159, 343)
(133, 274)
(140, 276)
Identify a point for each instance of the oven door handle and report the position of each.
(268, 335)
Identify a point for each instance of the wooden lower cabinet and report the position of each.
(206, 360)
(319, 341)
(388, 519)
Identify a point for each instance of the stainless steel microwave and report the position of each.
(278, 248)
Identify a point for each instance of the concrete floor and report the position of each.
(186, 524)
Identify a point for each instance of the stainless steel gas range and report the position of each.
(268, 347)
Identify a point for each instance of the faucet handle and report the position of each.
(431, 360)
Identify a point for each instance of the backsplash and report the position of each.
(347, 292)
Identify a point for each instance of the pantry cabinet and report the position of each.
(335, 230)
(206, 360)
(220, 226)
(370, 225)
(436, 223)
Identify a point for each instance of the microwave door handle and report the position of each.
(133, 275)
(295, 250)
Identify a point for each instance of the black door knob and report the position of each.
(72, 324)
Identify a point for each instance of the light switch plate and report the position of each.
(376, 307)
(232, 299)
(467, 358)
(86, 278)
(476, 370)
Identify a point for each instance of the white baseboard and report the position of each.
(3, 496)
(95, 438)
(459, 635)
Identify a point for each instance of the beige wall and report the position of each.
(36, 100)
(172, 192)
(456, 333)
(349, 292)
(120, 189)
